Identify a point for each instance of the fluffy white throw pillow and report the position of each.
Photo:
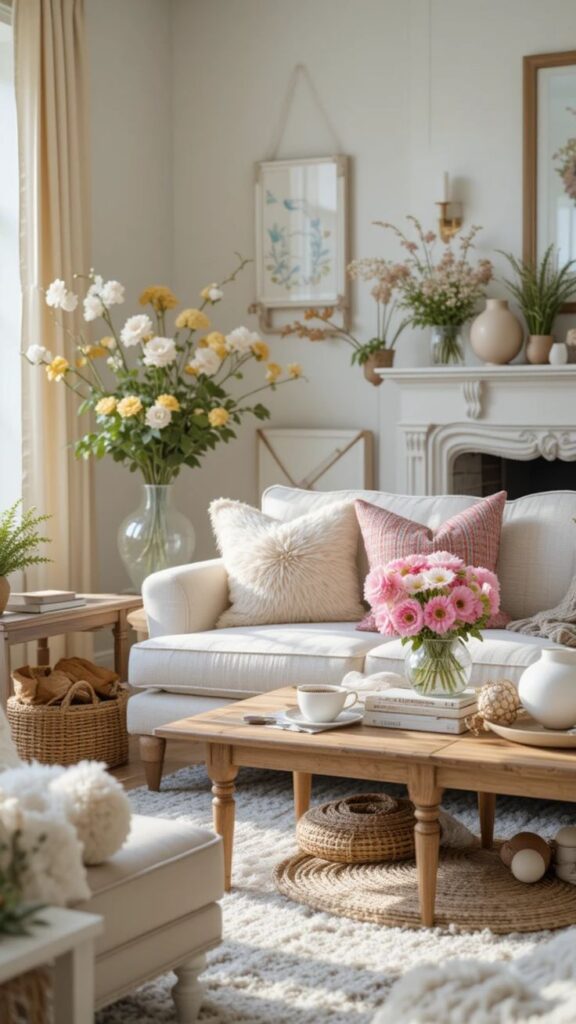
(97, 806)
(303, 570)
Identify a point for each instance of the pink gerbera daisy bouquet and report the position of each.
(434, 603)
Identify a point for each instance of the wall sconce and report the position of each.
(449, 213)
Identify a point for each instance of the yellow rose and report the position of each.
(58, 368)
(159, 297)
(218, 417)
(193, 319)
(129, 406)
(80, 362)
(273, 371)
(261, 350)
(107, 343)
(169, 402)
(295, 370)
(217, 342)
(106, 406)
(192, 370)
(95, 351)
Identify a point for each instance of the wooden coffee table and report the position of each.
(427, 763)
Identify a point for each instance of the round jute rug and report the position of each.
(474, 891)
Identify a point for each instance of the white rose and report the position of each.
(112, 293)
(215, 293)
(37, 354)
(159, 352)
(97, 285)
(206, 361)
(56, 293)
(135, 329)
(93, 307)
(241, 340)
(158, 417)
(69, 302)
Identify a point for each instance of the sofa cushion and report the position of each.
(245, 661)
(166, 869)
(149, 709)
(301, 571)
(499, 655)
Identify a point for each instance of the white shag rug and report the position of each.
(283, 963)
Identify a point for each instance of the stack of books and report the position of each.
(399, 708)
(37, 602)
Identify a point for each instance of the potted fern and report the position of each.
(541, 289)
(19, 541)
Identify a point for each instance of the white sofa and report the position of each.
(187, 666)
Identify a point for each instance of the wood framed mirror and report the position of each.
(550, 157)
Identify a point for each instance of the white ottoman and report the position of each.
(158, 897)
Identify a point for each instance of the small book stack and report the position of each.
(399, 708)
(38, 602)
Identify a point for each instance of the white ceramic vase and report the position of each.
(547, 688)
(558, 354)
(496, 335)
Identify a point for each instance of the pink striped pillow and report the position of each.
(473, 535)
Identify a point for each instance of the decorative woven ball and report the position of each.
(522, 842)
(499, 702)
(359, 830)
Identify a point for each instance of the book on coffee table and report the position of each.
(398, 708)
(42, 596)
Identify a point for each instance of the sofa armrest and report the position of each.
(185, 599)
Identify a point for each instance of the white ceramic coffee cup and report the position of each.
(319, 703)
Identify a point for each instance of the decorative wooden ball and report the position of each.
(499, 702)
(525, 841)
(528, 866)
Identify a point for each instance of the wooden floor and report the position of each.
(131, 775)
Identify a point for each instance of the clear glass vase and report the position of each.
(439, 667)
(155, 536)
(447, 344)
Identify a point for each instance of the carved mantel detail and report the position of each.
(472, 392)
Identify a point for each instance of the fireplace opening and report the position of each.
(480, 474)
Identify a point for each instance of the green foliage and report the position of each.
(15, 914)
(19, 539)
(541, 289)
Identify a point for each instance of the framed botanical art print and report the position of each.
(550, 157)
(301, 235)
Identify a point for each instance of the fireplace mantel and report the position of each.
(518, 412)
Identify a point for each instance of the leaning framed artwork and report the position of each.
(550, 157)
(301, 236)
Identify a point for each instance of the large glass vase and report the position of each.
(439, 668)
(447, 345)
(155, 536)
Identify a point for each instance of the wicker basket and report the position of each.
(25, 999)
(67, 733)
(359, 830)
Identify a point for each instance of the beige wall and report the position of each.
(412, 89)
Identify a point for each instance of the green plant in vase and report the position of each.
(441, 293)
(387, 279)
(20, 539)
(540, 289)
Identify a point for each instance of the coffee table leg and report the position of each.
(426, 796)
(223, 773)
(302, 791)
(487, 812)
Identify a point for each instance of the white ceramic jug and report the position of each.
(547, 688)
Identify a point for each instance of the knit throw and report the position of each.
(557, 624)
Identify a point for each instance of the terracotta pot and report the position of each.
(496, 335)
(538, 348)
(4, 593)
(378, 360)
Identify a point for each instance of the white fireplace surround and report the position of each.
(516, 412)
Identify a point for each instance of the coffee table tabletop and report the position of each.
(427, 763)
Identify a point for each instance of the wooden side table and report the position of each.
(101, 611)
(67, 939)
(139, 624)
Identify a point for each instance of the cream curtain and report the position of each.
(51, 99)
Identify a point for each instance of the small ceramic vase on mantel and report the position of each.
(496, 335)
(538, 348)
(383, 359)
(558, 355)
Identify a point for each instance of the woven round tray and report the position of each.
(359, 829)
(474, 891)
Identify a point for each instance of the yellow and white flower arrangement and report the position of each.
(172, 404)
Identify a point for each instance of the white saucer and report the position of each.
(531, 733)
(344, 718)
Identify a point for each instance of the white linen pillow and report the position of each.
(303, 570)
